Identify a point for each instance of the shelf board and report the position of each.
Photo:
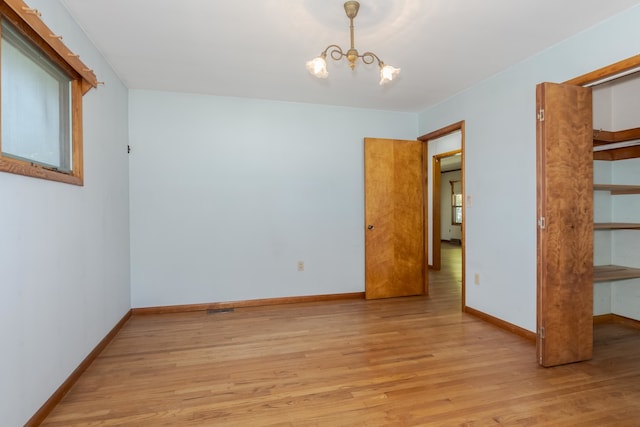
(607, 273)
(617, 189)
(604, 137)
(616, 226)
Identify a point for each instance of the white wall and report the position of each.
(602, 212)
(444, 144)
(228, 194)
(64, 250)
(448, 231)
(500, 124)
(625, 102)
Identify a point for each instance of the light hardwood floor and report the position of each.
(397, 362)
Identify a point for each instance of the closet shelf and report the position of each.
(604, 138)
(616, 189)
(606, 273)
(616, 226)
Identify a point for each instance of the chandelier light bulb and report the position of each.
(318, 67)
(388, 73)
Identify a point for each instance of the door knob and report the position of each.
(370, 227)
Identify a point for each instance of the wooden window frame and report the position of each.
(453, 203)
(27, 21)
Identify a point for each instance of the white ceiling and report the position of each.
(450, 163)
(258, 48)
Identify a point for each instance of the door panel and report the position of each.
(565, 228)
(394, 234)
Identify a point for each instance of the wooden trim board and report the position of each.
(606, 72)
(616, 318)
(443, 131)
(57, 396)
(247, 303)
(510, 327)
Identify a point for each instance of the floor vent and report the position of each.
(220, 310)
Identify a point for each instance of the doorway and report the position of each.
(446, 202)
(444, 143)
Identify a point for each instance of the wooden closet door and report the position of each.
(565, 224)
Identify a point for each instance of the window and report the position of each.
(456, 203)
(36, 107)
(41, 85)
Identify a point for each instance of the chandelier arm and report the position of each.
(369, 57)
(335, 52)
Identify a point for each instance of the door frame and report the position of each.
(454, 127)
(610, 72)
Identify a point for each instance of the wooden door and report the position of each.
(394, 234)
(565, 224)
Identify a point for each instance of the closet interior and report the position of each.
(616, 207)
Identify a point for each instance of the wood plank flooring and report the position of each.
(413, 361)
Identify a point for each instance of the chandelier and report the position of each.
(318, 66)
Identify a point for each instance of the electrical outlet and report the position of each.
(300, 265)
(476, 279)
